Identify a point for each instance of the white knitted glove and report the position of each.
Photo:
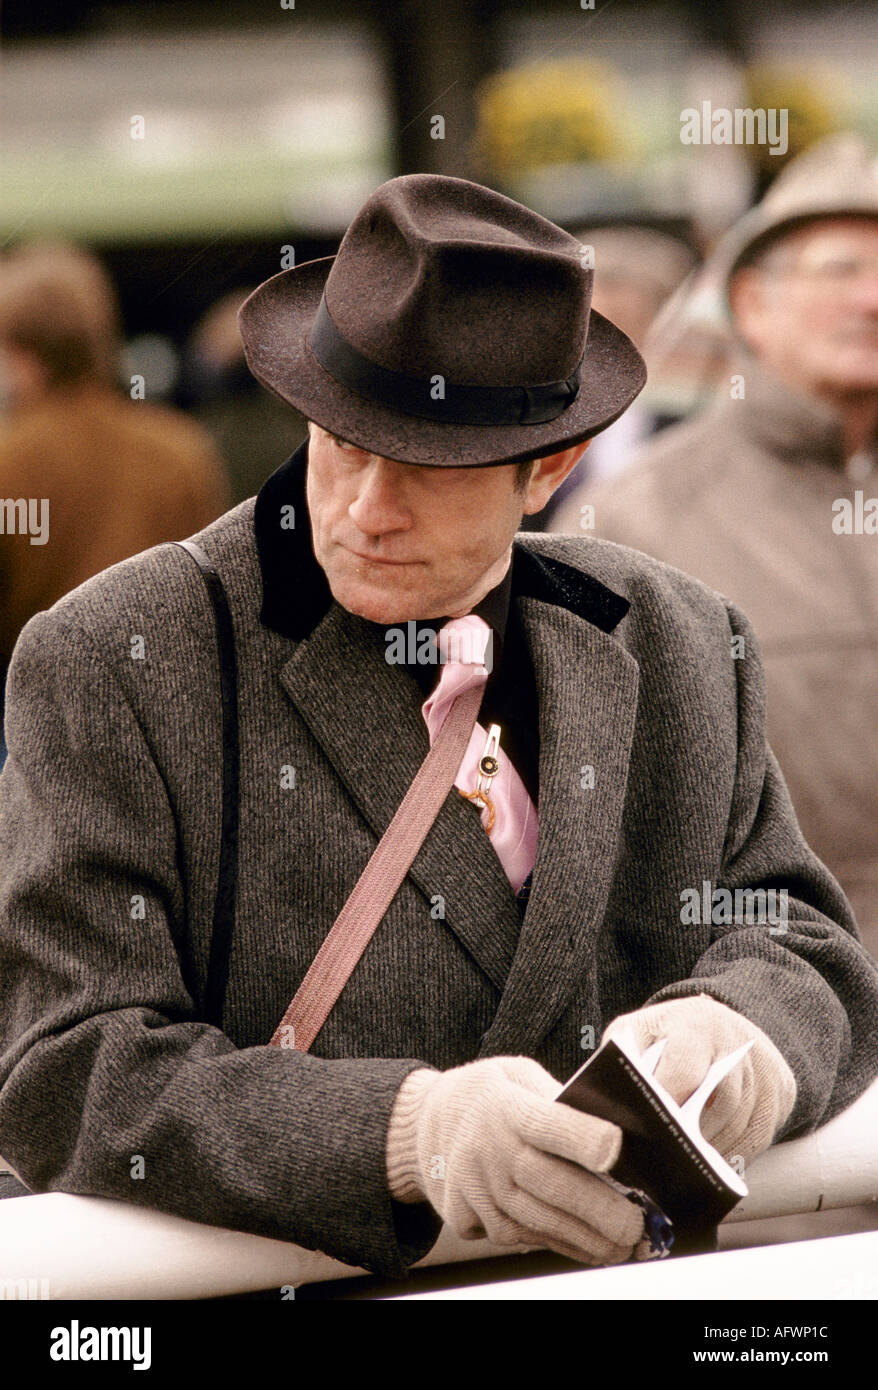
(751, 1103)
(488, 1146)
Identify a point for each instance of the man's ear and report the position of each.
(746, 296)
(548, 474)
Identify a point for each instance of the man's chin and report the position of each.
(389, 606)
(855, 370)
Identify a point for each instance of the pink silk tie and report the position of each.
(514, 833)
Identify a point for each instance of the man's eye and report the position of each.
(838, 269)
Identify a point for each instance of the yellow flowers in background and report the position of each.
(564, 112)
(813, 112)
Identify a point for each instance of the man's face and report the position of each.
(400, 541)
(811, 311)
(629, 303)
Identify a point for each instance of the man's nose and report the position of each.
(867, 295)
(864, 288)
(378, 506)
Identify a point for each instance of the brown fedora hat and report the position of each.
(453, 328)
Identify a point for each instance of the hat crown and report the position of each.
(453, 329)
(837, 177)
(839, 172)
(439, 276)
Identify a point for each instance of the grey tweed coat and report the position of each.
(112, 1083)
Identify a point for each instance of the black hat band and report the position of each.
(435, 398)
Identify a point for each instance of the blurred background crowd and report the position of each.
(161, 159)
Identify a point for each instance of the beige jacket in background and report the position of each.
(120, 476)
(742, 498)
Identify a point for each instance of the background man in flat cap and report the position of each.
(453, 374)
(757, 496)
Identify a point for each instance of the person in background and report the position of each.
(252, 429)
(765, 495)
(637, 269)
(88, 476)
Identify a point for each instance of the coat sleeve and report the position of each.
(808, 983)
(110, 1084)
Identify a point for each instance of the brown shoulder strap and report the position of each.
(376, 887)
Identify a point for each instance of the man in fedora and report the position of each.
(452, 373)
(771, 494)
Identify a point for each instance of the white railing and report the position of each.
(55, 1245)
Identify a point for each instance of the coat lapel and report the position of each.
(587, 686)
(366, 715)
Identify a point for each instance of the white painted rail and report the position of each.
(63, 1246)
(833, 1269)
(836, 1166)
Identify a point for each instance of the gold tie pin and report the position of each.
(489, 766)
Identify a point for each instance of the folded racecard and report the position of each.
(683, 1183)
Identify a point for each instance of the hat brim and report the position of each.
(754, 233)
(275, 321)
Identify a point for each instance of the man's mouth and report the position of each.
(379, 559)
(866, 336)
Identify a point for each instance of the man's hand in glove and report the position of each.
(488, 1146)
(751, 1103)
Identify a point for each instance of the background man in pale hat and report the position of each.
(758, 495)
(453, 373)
